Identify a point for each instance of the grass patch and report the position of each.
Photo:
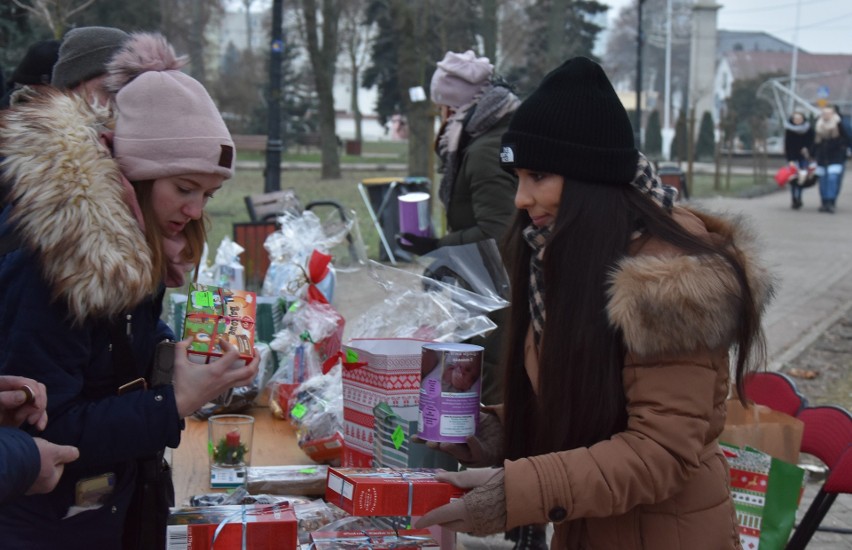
(372, 152)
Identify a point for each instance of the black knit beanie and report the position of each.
(37, 64)
(573, 125)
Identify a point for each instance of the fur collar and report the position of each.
(68, 207)
(665, 302)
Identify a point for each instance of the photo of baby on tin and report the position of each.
(460, 377)
(450, 387)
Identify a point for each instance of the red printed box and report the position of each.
(267, 527)
(375, 539)
(377, 370)
(213, 313)
(388, 491)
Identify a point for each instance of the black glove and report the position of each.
(419, 245)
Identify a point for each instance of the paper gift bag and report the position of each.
(377, 370)
(766, 493)
(773, 432)
(393, 447)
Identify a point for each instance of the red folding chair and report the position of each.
(776, 391)
(827, 436)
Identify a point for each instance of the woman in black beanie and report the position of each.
(625, 308)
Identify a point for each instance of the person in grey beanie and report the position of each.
(83, 57)
(626, 310)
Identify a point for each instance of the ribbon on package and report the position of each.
(317, 271)
(242, 514)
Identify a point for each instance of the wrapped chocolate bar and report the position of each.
(214, 313)
(307, 480)
(374, 539)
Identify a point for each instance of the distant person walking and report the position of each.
(798, 143)
(830, 145)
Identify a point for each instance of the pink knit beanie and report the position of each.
(459, 77)
(167, 124)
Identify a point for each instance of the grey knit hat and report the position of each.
(84, 54)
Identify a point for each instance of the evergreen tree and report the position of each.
(411, 38)
(558, 30)
(705, 147)
(653, 135)
(18, 31)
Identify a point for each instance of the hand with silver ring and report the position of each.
(22, 400)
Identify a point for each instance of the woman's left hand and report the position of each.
(481, 511)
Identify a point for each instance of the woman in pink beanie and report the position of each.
(106, 208)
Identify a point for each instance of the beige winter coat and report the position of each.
(662, 484)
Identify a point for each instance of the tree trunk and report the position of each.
(196, 43)
(411, 19)
(354, 81)
(323, 62)
(489, 29)
(555, 32)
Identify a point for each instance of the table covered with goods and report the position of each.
(318, 451)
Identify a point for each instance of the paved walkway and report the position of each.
(811, 254)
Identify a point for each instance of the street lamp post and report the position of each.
(637, 130)
(272, 175)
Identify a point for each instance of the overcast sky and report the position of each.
(825, 26)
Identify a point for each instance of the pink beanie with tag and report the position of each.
(459, 77)
(167, 124)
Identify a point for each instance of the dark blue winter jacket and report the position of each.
(82, 260)
(19, 463)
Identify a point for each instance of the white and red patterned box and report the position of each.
(377, 370)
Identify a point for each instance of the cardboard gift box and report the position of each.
(213, 313)
(266, 527)
(393, 448)
(374, 539)
(377, 370)
(388, 491)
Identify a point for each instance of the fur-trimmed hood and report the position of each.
(666, 302)
(67, 205)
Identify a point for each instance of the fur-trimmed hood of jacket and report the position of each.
(666, 302)
(66, 205)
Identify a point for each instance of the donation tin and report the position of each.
(450, 389)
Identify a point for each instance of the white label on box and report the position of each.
(335, 484)
(177, 537)
(227, 477)
(348, 490)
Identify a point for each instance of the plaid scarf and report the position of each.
(537, 238)
(473, 119)
(647, 181)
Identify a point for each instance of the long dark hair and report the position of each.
(580, 399)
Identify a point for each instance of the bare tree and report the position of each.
(184, 27)
(620, 58)
(54, 13)
(321, 38)
(355, 39)
(247, 5)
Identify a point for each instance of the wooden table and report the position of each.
(274, 444)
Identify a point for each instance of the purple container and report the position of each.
(414, 215)
(450, 389)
